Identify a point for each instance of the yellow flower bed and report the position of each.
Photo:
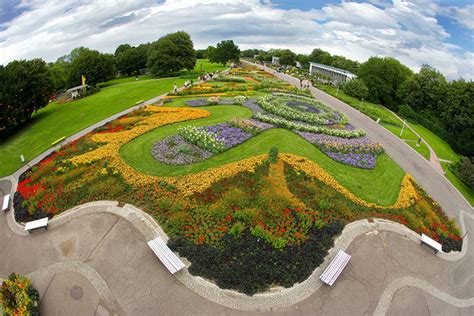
(406, 197)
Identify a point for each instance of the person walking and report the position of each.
(301, 83)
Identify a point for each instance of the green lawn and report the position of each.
(410, 138)
(123, 80)
(207, 66)
(441, 147)
(464, 189)
(55, 121)
(381, 185)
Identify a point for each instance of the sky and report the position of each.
(416, 32)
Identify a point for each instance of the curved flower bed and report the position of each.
(175, 150)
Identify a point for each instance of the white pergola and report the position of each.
(334, 73)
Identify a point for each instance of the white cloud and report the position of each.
(405, 30)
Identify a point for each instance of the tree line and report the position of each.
(445, 107)
(28, 85)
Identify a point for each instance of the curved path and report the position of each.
(425, 174)
(101, 248)
(104, 253)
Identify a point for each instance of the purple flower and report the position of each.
(175, 150)
(197, 102)
(232, 136)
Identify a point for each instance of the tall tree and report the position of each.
(225, 51)
(384, 76)
(287, 57)
(96, 67)
(130, 61)
(26, 87)
(171, 53)
(425, 91)
(121, 49)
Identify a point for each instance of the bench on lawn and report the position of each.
(433, 244)
(166, 256)
(40, 223)
(332, 272)
(6, 203)
(57, 141)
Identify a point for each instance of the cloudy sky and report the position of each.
(416, 32)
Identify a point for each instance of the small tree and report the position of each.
(224, 52)
(26, 86)
(171, 53)
(18, 297)
(356, 88)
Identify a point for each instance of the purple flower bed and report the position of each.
(197, 102)
(302, 106)
(364, 161)
(261, 125)
(231, 135)
(175, 150)
(359, 152)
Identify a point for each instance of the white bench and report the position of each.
(433, 244)
(6, 203)
(332, 272)
(166, 256)
(40, 223)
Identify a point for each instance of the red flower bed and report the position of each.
(28, 191)
(111, 129)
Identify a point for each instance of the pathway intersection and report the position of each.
(96, 260)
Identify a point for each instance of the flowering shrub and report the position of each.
(202, 138)
(240, 99)
(18, 296)
(213, 100)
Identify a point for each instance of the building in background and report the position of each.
(275, 61)
(336, 74)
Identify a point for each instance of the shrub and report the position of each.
(249, 264)
(356, 88)
(239, 100)
(408, 113)
(464, 170)
(18, 296)
(202, 138)
(213, 100)
(273, 155)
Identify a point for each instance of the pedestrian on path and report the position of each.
(301, 83)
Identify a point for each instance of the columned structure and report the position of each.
(275, 61)
(336, 74)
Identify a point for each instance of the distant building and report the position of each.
(336, 74)
(275, 61)
(76, 91)
(298, 65)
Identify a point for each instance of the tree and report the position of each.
(171, 53)
(26, 87)
(121, 49)
(59, 74)
(96, 67)
(210, 50)
(225, 51)
(130, 61)
(250, 53)
(425, 91)
(200, 53)
(287, 57)
(356, 88)
(303, 60)
(384, 76)
(320, 56)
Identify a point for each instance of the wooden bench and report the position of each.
(40, 223)
(433, 244)
(6, 203)
(166, 256)
(57, 141)
(332, 272)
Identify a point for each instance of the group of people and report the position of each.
(205, 77)
(304, 83)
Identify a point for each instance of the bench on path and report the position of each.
(433, 244)
(57, 141)
(332, 272)
(166, 256)
(6, 203)
(40, 223)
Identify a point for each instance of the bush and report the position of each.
(356, 88)
(408, 113)
(464, 170)
(250, 264)
(273, 155)
(18, 297)
(239, 100)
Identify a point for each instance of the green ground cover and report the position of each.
(441, 147)
(410, 138)
(58, 120)
(463, 188)
(123, 80)
(380, 185)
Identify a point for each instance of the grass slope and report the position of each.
(381, 185)
(55, 121)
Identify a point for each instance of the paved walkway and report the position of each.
(425, 174)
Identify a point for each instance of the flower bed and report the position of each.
(298, 126)
(251, 126)
(230, 135)
(359, 152)
(202, 138)
(175, 150)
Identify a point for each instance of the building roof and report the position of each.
(334, 69)
(77, 88)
